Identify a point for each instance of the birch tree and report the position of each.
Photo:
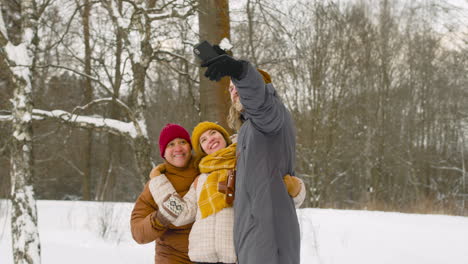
(25, 234)
(111, 66)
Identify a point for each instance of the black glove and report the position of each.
(223, 65)
(219, 50)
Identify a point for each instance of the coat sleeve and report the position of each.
(260, 101)
(160, 187)
(142, 230)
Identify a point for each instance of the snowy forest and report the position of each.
(378, 90)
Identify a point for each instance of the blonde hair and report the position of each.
(234, 119)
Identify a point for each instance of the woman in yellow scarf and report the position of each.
(211, 237)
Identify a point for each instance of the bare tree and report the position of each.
(25, 233)
(140, 57)
(88, 95)
(135, 49)
(370, 87)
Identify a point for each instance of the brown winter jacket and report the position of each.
(171, 242)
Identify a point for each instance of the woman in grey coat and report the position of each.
(266, 228)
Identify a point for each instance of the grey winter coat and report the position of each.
(266, 228)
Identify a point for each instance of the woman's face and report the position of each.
(212, 141)
(178, 152)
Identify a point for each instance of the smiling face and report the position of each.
(178, 152)
(233, 92)
(212, 141)
(235, 99)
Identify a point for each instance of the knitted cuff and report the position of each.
(299, 199)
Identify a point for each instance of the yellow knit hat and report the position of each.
(200, 129)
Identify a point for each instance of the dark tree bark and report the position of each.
(214, 26)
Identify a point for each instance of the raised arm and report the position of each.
(260, 101)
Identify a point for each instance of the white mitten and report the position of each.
(160, 188)
(169, 202)
(172, 207)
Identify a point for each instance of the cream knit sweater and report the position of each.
(211, 238)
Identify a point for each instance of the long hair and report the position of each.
(234, 119)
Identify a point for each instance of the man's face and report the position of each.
(233, 93)
(178, 152)
(235, 99)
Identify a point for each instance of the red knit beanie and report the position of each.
(169, 133)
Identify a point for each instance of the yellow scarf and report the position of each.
(217, 165)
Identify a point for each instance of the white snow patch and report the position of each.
(97, 121)
(121, 21)
(26, 117)
(3, 30)
(26, 148)
(144, 129)
(4, 118)
(19, 55)
(21, 136)
(225, 44)
(157, 16)
(135, 39)
(327, 236)
(28, 36)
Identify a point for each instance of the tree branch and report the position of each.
(450, 168)
(106, 100)
(99, 123)
(77, 72)
(6, 118)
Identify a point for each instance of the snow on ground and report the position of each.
(92, 232)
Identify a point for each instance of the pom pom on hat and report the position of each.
(265, 75)
(169, 133)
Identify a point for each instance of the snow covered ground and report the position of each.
(92, 232)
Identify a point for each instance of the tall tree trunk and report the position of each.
(25, 235)
(136, 101)
(88, 96)
(24, 229)
(107, 184)
(141, 144)
(213, 20)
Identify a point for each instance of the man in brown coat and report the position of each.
(147, 225)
